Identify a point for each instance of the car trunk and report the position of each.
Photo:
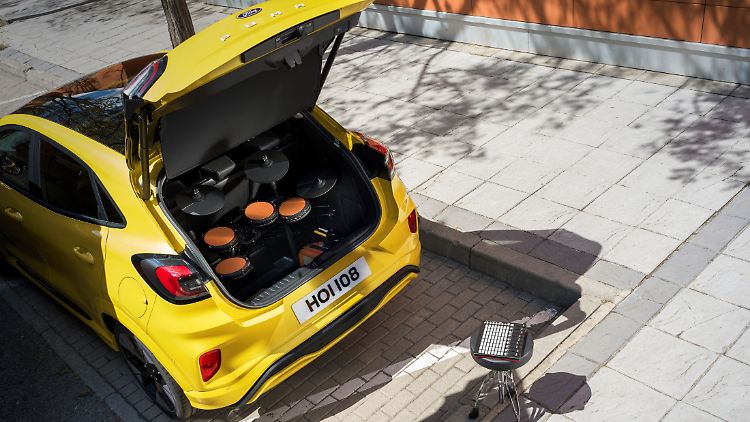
(242, 86)
(282, 254)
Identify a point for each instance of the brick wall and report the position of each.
(722, 22)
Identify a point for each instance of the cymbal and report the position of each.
(316, 182)
(200, 200)
(267, 166)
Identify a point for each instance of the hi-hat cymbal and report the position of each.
(200, 200)
(316, 183)
(267, 166)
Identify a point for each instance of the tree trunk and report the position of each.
(178, 21)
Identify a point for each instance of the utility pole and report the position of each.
(179, 23)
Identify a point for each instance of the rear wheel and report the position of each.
(152, 377)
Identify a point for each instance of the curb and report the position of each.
(542, 279)
(37, 71)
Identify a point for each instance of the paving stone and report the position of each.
(618, 112)
(462, 220)
(710, 191)
(732, 109)
(601, 86)
(615, 275)
(742, 91)
(428, 208)
(657, 178)
(739, 206)
(683, 412)
(676, 219)
(625, 205)
(725, 279)
(414, 172)
(561, 381)
(585, 130)
(657, 290)
(526, 175)
(707, 85)
(491, 200)
(686, 101)
(449, 186)
(599, 400)
(703, 320)
(741, 348)
(663, 362)
(590, 233)
(645, 93)
(482, 163)
(606, 165)
(606, 338)
(718, 232)
(638, 308)
(538, 215)
(642, 250)
(685, 264)
(476, 132)
(720, 391)
(573, 189)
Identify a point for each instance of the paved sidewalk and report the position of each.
(624, 177)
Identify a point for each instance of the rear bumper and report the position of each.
(336, 330)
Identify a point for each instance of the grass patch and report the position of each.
(3, 46)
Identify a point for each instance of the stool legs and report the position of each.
(506, 388)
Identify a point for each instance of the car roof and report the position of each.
(91, 105)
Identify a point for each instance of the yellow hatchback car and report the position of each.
(201, 214)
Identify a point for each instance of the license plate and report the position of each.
(328, 292)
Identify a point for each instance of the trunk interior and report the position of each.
(272, 256)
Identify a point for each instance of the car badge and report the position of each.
(248, 13)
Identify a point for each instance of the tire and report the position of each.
(152, 377)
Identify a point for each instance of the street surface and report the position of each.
(629, 178)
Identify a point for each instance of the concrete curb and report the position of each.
(542, 279)
(37, 71)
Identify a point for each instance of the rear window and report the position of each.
(98, 115)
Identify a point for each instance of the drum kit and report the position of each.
(262, 168)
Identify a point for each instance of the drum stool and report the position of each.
(501, 348)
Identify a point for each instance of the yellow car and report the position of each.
(199, 212)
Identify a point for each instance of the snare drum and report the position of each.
(220, 239)
(294, 209)
(261, 213)
(232, 268)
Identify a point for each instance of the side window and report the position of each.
(65, 183)
(14, 158)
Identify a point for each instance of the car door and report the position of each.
(74, 233)
(16, 198)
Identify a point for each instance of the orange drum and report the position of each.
(232, 268)
(261, 213)
(220, 238)
(294, 209)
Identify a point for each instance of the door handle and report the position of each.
(14, 214)
(83, 255)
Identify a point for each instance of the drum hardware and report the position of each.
(221, 239)
(295, 209)
(261, 213)
(233, 268)
(316, 183)
(267, 166)
(200, 200)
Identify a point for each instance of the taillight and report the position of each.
(145, 79)
(173, 277)
(210, 362)
(382, 151)
(412, 220)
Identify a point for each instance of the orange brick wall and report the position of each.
(723, 22)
